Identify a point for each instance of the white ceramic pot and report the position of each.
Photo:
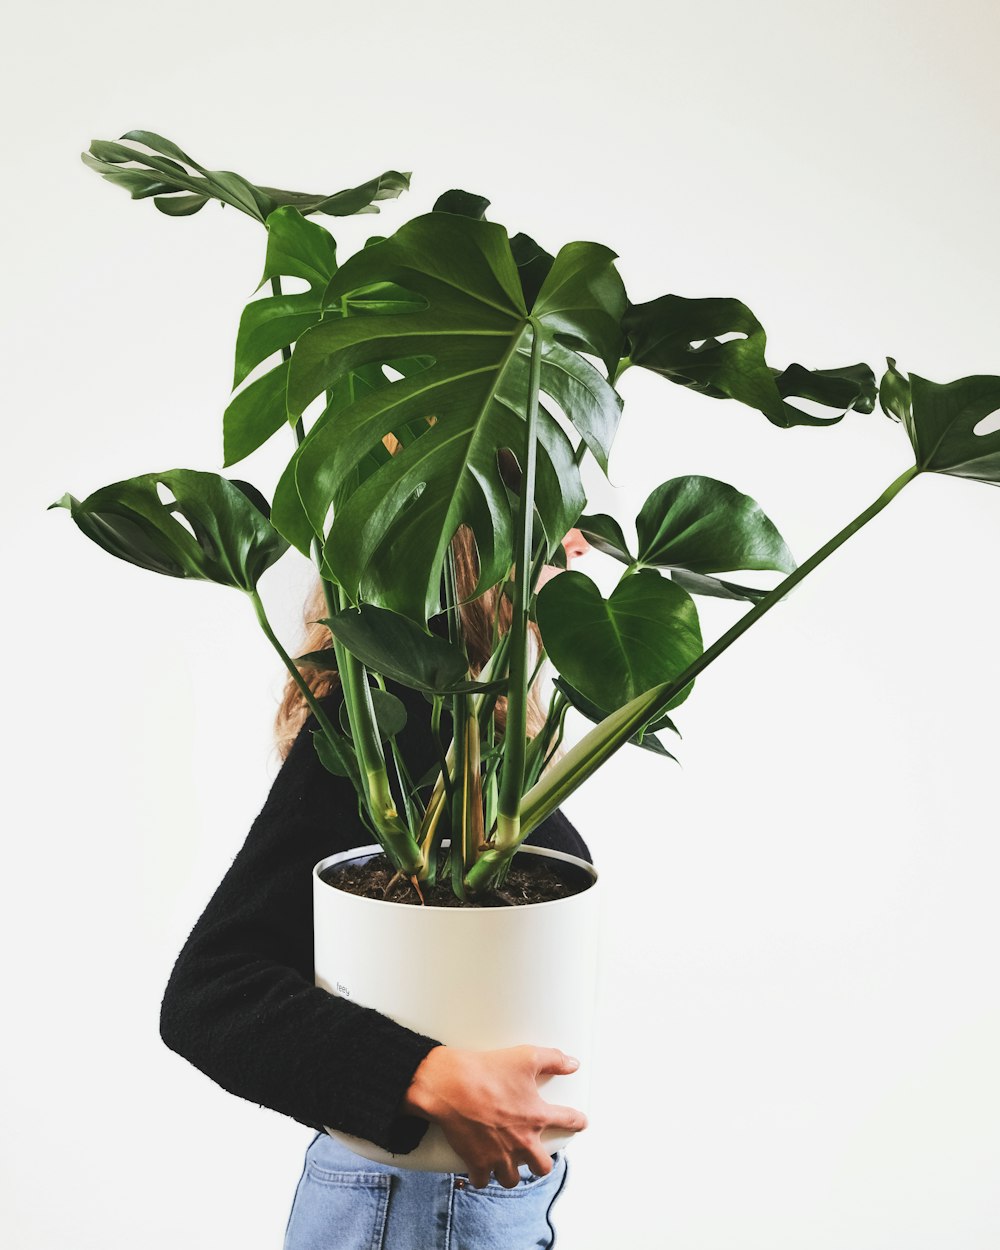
(476, 977)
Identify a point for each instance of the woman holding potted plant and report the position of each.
(423, 364)
(242, 1006)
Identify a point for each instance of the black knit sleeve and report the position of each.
(241, 1004)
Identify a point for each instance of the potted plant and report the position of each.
(443, 386)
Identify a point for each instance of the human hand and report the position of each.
(489, 1108)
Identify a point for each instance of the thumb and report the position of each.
(554, 1062)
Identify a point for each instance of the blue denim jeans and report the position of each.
(344, 1202)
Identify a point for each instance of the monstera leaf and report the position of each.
(941, 420)
(611, 650)
(230, 540)
(681, 340)
(388, 538)
(179, 186)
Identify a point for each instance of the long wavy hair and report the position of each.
(477, 625)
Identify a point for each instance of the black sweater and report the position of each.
(241, 1003)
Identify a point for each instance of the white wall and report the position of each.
(801, 1017)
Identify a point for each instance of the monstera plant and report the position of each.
(456, 345)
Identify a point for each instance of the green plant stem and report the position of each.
(321, 716)
(615, 730)
(396, 839)
(512, 775)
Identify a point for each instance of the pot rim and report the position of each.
(358, 852)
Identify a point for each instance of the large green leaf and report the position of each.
(232, 542)
(397, 648)
(679, 339)
(388, 539)
(941, 420)
(613, 649)
(180, 186)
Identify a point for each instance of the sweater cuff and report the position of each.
(381, 1071)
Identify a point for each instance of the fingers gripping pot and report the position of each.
(480, 978)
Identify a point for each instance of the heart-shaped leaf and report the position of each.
(228, 538)
(941, 420)
(680, 339)
(389, 538)
(706, 526)
(645, 633)
(180, 186)
(397, 648)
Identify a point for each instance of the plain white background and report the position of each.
(800, 1018)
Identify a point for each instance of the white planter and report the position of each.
(475, 977)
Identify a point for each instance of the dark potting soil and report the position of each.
(531, 879)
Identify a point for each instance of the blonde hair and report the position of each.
(477, 616)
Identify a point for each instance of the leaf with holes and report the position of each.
(942, 420)
(681, 339)
(389, 537)
(230, 540)
(179, 186)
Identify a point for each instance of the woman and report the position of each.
(242, 1006)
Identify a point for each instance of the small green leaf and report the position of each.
(605, 534)
(613, 649)
(390, 714)
(336, 756)
(706, 526)
(941, 420)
